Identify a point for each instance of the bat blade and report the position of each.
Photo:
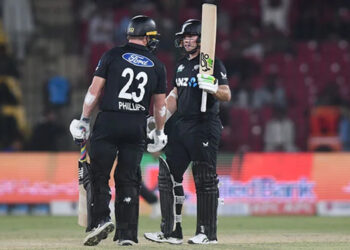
(208, 43)
(82, 208)
(82, 204)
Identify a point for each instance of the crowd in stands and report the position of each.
(288, 66)
(13, 126)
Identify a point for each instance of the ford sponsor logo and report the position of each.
(138, 60)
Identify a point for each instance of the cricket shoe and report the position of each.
(126, 243)
(99, 233)
(160, 238)
(201, 239)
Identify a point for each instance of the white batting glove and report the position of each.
(80, 129)
(208, 83)
(160, 140)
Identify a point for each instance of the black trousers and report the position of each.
(123, 135)
(197, 141)
(192, 140)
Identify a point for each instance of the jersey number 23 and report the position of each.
(141, 77)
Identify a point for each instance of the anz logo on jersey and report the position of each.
(138, 60)
(186, 82)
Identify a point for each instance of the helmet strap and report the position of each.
(152, 44)
(192, 51)
(195, 49)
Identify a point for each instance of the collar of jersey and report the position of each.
(194, 58)
(133, 45)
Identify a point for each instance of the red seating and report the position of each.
(334, 50)
(307, 50)
(290, 68)
(324, 121)
(324, 128)
(305, 76)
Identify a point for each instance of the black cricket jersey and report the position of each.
(189, 94)
(133, 75)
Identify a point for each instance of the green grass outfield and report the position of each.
(25, 232)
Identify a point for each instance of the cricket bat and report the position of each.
(208, 42)
(82, 205)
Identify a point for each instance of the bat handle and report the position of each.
(83, 151)
(204, 102)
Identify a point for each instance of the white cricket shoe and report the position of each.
(201, 239)
(159, 237)
(99, 233)
(126, 243)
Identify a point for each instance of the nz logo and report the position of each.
(206, 62)
(192, 82)
(138, 60)
(184, 82)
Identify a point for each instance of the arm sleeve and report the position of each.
(161, 86)
(220, 73)
(102, 66)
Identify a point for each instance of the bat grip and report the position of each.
(204, 102)
(83, 151)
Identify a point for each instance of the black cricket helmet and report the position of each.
(190, 27)
(144, 26)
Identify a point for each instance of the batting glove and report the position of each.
(160, 140)
(80, 129)
(208, 83)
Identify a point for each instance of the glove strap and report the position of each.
(87, 120)
(159, 132)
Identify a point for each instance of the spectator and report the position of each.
(330, 96)
(271, 94)
(274, 41)
(243, 67)
(275, 12)
(242, 94)
(279, 132)
(18, 24)
(9, 92)
(310, 23)
(10, 136)
(101, 27)
(56, 91)
(47, 133)
(7, 63)
(13, 125)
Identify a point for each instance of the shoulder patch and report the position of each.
(138, 60)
